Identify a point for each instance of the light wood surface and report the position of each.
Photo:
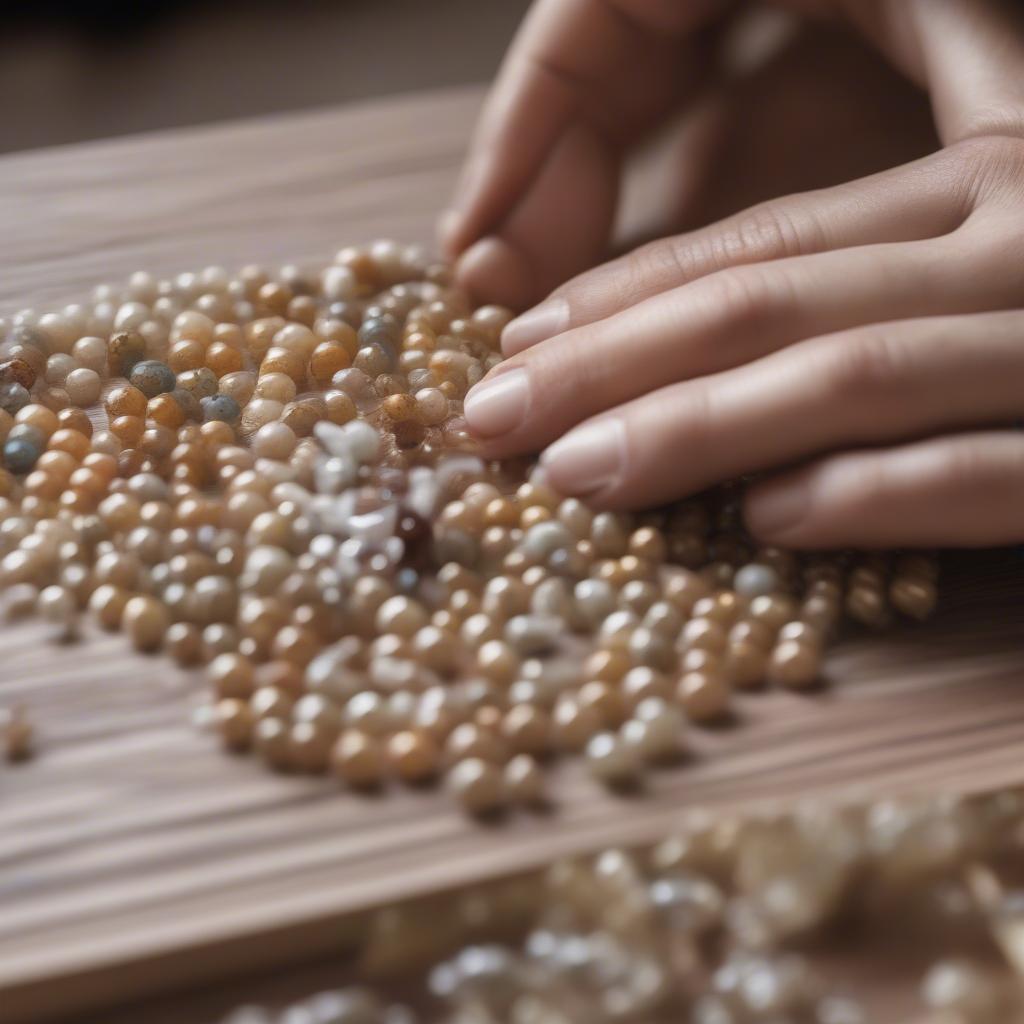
(135, 858)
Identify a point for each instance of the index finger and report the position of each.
(613, 63)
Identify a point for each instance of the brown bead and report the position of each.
(703, 696)
(327, 359)
(414, 756)
(231, 675)
(359, 759)
(223, 359)
(124, 350)
(17, 371)
(125, 400)
(795, 665)
(915, 597)
(73, 442)
(73, 418)
(146, 621)
(166, 411)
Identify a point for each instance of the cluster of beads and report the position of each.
(270, 476)
(721, 924)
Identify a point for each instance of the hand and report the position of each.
(836, 318)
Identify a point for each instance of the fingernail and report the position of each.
(497, 405)
(537, 324)
(448, 225)
(497, 271)
(777, 510)
(588, 458)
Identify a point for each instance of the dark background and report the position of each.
(80, 70)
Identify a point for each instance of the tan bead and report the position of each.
(524, 780)
(469, 739)
(107, 603)
(234, 723)
(703, 696)
(145, 620)
(414, 756)
(746, 664)
(478, 785)
(915, 597)
(527, 729)
(231, 675)
(358, 759)
(574, 725)
(795, 665)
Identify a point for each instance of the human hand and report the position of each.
(808, 314)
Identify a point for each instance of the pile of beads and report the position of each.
(270, 476)
(721, 924)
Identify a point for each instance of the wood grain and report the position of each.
(136, 858)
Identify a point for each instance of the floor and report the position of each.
(111, 68)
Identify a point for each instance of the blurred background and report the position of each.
(72, 70)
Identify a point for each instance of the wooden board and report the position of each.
(136, 858)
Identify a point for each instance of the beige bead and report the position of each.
(234, 723)
(574, 725)
(795, 665)
(524, 780)
(146, 621)
(704, 697)
(107, 603)
(478, 785)
(358, 759)
(414, 756)
(231, 675)
(612, 761)
(527, 729)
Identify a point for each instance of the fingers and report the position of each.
(561, 224)
(607, 69)
(912, 202)
(723, 321)
(882, 383)
(962, 491)
(969, 54)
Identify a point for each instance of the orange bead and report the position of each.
(128, 429)
(328, 358)
(125, 400)
(282, 360)
(223, 359)
(166, 411)
(75, 419)
(73, 442)
(186, 355)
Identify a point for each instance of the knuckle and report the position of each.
(983, 165)
(869, 365)
(772, 230)
(743, 300)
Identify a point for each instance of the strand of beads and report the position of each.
(269, 476)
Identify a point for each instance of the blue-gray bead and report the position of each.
(20, 454)
(221, 407)
(13, 397)
(153, 378)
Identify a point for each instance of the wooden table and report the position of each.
(137, 859)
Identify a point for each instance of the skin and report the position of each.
(858, 294)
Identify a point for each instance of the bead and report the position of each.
(220, 407)
(478, 785)
(795, 664)
(413, 756)
(612, 761)
(146, 621)
(152, 377)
